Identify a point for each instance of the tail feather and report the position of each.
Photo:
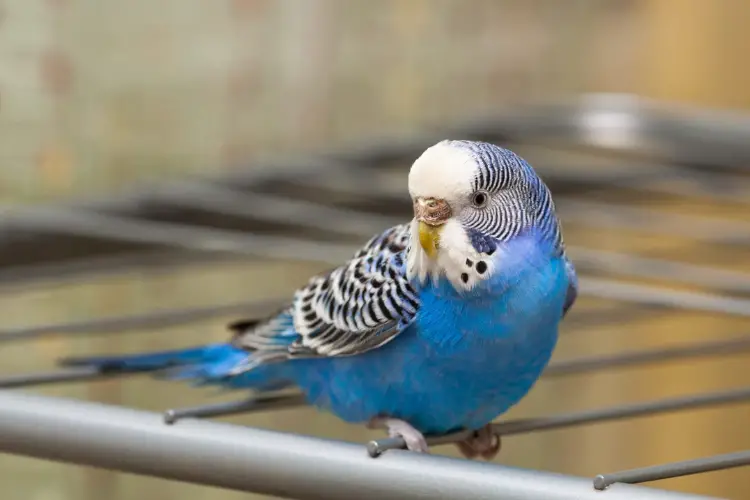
(203, 365)
(149, 361)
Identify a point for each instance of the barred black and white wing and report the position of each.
(359, 306)
(355, 308)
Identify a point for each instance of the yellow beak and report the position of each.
(429, 238)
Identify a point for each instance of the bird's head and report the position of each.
(469, 198)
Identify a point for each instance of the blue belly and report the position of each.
(465, 360)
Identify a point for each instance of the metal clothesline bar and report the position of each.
(648, 267)
(74, 270)
(224, 409)
(520, 426)
(74, 374)
(658, 296)
(585, 258)
(534, 424)
(284, 209)
(618, 215)
(266, 462)
(271, 208)
(203, 239)
(578, 366)
(181, 236)
(151, 320)
(675, 469)
(126, 228)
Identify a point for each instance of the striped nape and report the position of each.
(545, 216)
(520, 199)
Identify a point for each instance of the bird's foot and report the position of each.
(483, 442)
(415, 440)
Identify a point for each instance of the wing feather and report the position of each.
(352, 309)
(359, 306)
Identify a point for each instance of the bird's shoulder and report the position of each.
(354, 308)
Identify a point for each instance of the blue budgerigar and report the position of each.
(436, 325)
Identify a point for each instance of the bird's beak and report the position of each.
(431, 214)
(429, 238)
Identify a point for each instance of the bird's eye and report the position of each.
(479, 199)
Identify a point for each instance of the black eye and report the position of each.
(479, 199)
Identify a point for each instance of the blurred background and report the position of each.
(98, 98)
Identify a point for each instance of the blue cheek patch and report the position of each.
(481, 242)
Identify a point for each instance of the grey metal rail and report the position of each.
(274, 463)
(524, 425)
(153, 320)
(675, 469)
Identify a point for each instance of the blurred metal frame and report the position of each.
(154, 225)
(665, 136)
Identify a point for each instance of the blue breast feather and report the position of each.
(466, 359)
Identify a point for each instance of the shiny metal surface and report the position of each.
(257, 460)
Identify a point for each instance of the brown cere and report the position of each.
(432, 211)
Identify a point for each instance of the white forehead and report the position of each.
(443, 171)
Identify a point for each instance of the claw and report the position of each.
(415, 440)
(484, 442)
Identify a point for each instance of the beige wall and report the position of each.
(98, 93)
(95, 94)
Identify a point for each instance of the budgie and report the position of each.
(436, 325)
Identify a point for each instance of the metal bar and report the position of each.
(651, 177)
(727, 188)
(182, 236)
(153, 320)
(588, 364)
(266, 462)
(53, 377)
(631, 124)
(610, 215)
(648, 408)
(76, 268)
(650, 295)
(525, 425)
(585, 257)
(675, 469)
(634, 265)
(254, 404)
(282, 210)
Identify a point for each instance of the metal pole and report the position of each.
(675, 469)
(268, 462)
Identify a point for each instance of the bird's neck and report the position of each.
(528, 285)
